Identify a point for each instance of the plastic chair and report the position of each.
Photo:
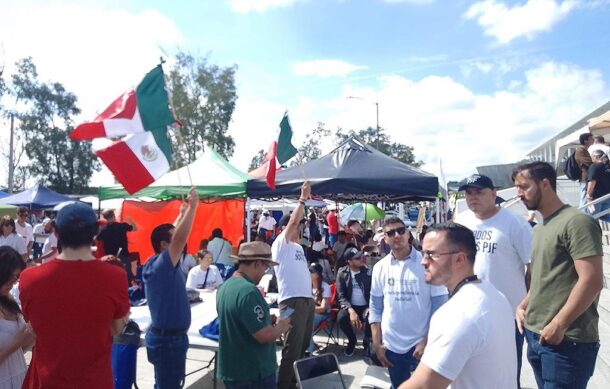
(328, 325)
(321, 371)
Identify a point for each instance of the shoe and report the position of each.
(349, 350)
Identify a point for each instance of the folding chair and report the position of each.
(328, 325)
(321, 371)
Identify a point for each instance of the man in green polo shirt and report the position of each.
(246, 353)
(559, 313)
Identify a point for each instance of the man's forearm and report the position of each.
(376, 333)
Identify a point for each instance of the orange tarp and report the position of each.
(227, 215)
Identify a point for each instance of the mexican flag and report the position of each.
(285, 149)
(144, 108)
(138, 160)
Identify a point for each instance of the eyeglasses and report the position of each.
(24, 214)
(435, 256)
(399, 230)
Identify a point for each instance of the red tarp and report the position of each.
(227, 215)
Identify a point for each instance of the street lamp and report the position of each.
(376, 111)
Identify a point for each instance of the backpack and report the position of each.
(571, 168)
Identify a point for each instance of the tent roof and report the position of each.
(36, 197)
(212, 175)
(353, 171)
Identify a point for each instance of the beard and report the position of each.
(533, 204)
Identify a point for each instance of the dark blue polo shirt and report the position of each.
(166, 293)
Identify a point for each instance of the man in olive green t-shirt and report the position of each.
(559, 314)
(246, 353)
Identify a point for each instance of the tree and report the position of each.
(395, 150)
(310, 149)
(45, 123)
(257, 160)
(204, 97)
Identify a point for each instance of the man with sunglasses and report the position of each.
(504, 241)
(401, 304)
(472, 343)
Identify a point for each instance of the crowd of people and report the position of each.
(451, 306)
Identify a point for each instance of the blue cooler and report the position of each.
(125, 355)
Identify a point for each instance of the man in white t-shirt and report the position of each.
(24, 228)
(49, 249)
(471, 343)
(265, 223)
(401, 304)
(599, 143)
(504, 245)
(294, 287)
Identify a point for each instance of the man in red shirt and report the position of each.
(333, 227)
(74, 304)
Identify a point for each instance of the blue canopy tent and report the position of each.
(3, 194)
(36, 197)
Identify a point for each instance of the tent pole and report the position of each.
(438, 213)
(248, 220)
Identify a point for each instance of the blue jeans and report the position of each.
(404, 364)
(332, 239)
(168, 356)
(569, 365)
(269, 382)
(583, 196)
(519, 340)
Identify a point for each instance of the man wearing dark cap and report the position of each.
(504, 241)
(164, 283)
(74, 304)
(353, 294)
(246, 355)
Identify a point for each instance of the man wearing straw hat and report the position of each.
(294, 286)
(246, 355)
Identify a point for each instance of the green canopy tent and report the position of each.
(212, 175)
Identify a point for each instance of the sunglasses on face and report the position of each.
(392, 232)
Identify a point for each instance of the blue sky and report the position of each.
(470, 82)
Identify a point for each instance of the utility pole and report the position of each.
(11, 156)
(377, 109)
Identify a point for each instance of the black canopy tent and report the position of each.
(353, 171)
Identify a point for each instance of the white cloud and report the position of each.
(260, 6)
(325, 68)
(507, 23)
(439, 116)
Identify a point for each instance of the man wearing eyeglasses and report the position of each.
(401, 304)
(472, 344)
(504, 244)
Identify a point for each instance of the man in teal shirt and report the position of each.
(246, 354)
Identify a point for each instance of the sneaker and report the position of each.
(349, 350)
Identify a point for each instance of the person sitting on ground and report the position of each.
(353, 294)
(15, 335)
(74, 304)
(205, 276)
(321, 293)
(10, 237)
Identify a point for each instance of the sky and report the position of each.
(471, 83)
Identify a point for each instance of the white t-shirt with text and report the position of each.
(504, 246)
(472, 339)
(407, 301)
(292, 273)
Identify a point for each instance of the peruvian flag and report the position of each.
(138, 160)
(144, 108)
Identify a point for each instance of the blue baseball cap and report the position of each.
(74, 215)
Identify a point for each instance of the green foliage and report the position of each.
(258, 160)
(45, 123)
(204, 97)
(381, 141)
(310, 149)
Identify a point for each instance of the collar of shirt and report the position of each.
(412, 256)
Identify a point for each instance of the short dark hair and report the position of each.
(538, 171)
(22, 210)
(341, 233)
(393, 220)
(7, 220)
(76, 236)
(583, 138)
(107, 214)
(317, 237)
(216, 233)
(10, 260)
(161, 233)
(458, 236)
(599, 139)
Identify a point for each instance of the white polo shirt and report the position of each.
(266, 222)
(472, 339)
(407, 301)
(15, 241)
(293, 278)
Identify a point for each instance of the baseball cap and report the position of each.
(75, 215)
(477, 181)
(315, 268)
(352, 253)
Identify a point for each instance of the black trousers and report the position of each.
(346, 325)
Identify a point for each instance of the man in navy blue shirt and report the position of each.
(164, 282)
